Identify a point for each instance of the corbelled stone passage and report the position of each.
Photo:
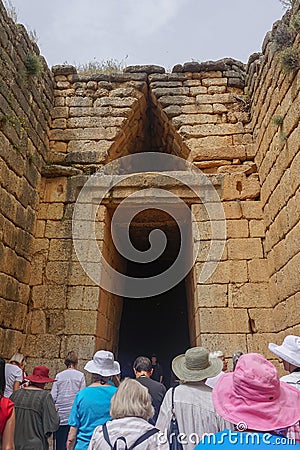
(58, 128)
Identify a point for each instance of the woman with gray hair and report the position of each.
(130, 410)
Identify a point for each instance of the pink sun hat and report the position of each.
(254, 395)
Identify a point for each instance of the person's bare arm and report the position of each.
(17, 385)
(8, 433)
(71, 438)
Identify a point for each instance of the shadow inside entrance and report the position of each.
(157, 324)
(154, 325)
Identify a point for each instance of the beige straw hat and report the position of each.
(196, 365)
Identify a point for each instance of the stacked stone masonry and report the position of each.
(61, 127)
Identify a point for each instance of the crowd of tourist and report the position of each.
(207, 406)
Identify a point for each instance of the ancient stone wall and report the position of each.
(26, 92)
(197, 113)
(202, 113)
(275, 107)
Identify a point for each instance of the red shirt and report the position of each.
(6, 409)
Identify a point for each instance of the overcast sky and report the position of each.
(163, 32)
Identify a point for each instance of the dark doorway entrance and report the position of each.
(156, 324)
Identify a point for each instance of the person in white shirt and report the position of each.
(289, 352)
(14, 373)
(68, 383)
(193, 404)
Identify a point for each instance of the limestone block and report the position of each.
(197, 89)
(257, 228)
(209, 147)
(218, 108)
(212, 295)
(237, 228)
(202, 249)
(60, 112)
(49, 296)
(92, 122)
(204, 211)
(11, 341)
(115, 102)
(259, 343)
(292, 241)
(237, 168)
(80, 322)
(42, 346)
(247, 248)
(233, 209)
(193, 119)
(40, 246)
(262, 320)
(38, 264)
(168, 100)
(215, 98)
(83, 345)
(101, 111)
(62, 84)
(60, 249)
(214, 81)
(239, 186)
(78, 277)
(223, 320)
(211, 130)
(57, 146)
(57, 272)
(13, 314)
(79, 101)
(37, 322)
(224, 272)
(159, 92)
(59, 123)
(197, 109)
(55, 190)
(252, 209)
(227, 343)
(243, 139)
(108, 133)
(214, 164)
(57, 229)
(59, 101)
(216, 90)
(286, 313)
(258, 270)
(249, 295)
(83, 297)
(101, 147)
(49, 211)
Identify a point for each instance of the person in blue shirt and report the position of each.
(91, 405)
(261, 407)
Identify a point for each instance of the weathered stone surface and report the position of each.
(144, 69)
(86, 157)
(55, 170)
(63, 70)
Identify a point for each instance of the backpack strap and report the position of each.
(105, 435)
(173, 407)
(144, 437)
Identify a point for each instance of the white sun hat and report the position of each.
(103, 363)
(289, 350)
